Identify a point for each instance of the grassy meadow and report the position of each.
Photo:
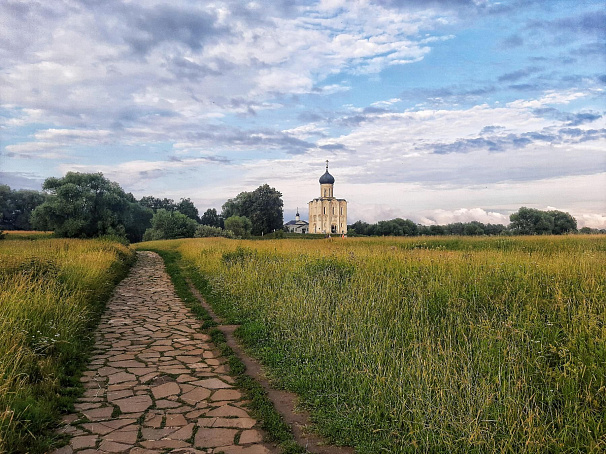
(26, 234)
(51, 293)
(424, 344)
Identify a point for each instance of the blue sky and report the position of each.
(436, 111)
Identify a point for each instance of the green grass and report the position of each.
(26, 235)
(51, 295)
(426, 344)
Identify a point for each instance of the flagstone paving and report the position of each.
(155, 383)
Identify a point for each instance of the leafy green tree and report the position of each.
(266, 212)
(494, 229)
(82, 205)
(359, 228)
(406, 227)
(562, 222)
(187, 207)
(237, 206)
(16, 207)
(530, 221)
(212, 218)
(137, 219)
(456, 228)
(473, 228)
(239, 225)
(5, 197)
(436, 230)
(207, 231)
(525, 221)
(167, 225)
(158, 204)
(263, 207)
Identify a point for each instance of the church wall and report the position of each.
(325, 213)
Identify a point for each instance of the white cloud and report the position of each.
(36, 150)
(334, 88)
(594, 221)
(306, 131)
(550, 98)
(132, 172)
(240, 58)
(387, 103)
(442, 217)
(72, 134)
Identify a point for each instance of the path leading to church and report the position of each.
(155, 382)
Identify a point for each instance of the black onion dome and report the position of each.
(327, 178)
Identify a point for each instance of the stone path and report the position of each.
(155, 384)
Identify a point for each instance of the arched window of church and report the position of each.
(324, 210)
(341, 211)
(333, 210)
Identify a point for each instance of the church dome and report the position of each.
(327, 178)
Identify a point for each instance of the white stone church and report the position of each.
(327, 214)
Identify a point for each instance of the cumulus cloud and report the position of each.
(442, 217)
(592, 220)
(159, 56)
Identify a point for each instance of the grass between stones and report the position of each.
(261, 406)
(52, 293)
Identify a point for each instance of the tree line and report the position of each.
(526, 221)
(88, 205)
(406, 227)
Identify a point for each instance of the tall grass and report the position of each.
(51, 292)
(426, 345)
(26, 235)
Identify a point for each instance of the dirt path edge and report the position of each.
(285, 402)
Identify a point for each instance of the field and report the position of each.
(424, 345)
(26, 234)
(51, 292)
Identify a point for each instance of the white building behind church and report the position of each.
(297, 226)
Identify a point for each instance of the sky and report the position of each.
(437, 111)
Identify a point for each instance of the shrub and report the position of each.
(207, 231)
(240, 225)
(168, 225)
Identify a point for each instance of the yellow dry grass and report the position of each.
(50, 290)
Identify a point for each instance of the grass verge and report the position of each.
(425, 345)
(52, 293)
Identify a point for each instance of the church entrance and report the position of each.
(333, 229)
